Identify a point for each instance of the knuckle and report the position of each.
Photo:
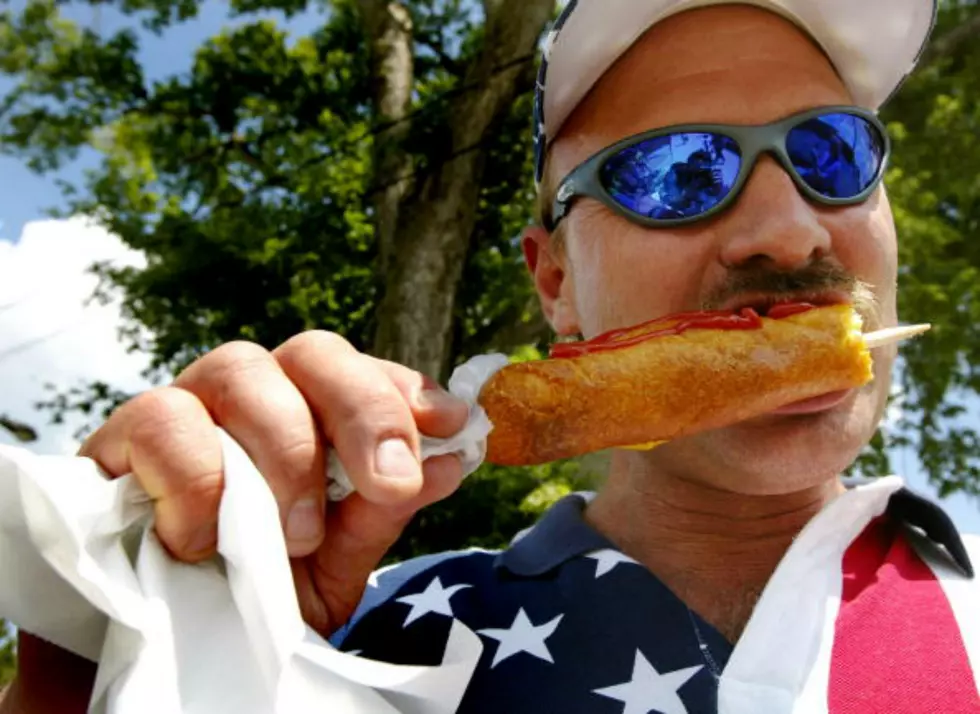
(166, 429)
(233, 353)
(227, 374)
(298, 459)
(297, 347)
(373, 408)
(382, 398)
(158, 411)
(201, 493)
(234, 358)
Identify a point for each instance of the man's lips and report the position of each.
(824, 402)
(761, 302)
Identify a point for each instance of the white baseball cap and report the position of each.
(874, 45)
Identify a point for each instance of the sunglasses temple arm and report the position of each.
(558, 212)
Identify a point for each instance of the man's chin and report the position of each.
(798, 447)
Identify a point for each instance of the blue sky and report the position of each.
(25, 196)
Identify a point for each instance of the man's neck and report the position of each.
(716, 550)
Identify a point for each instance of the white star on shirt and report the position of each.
(434, 598)
(607, 559)
(522, 636)
(650, 691)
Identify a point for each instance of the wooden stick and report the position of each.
(893, 334)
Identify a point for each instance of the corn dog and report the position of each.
(672, 377)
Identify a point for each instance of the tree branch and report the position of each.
(22, 432)
(512, 28)
(388, 26)
(491, 7)
(946, 45)
(434, 44)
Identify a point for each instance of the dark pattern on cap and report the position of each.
(540, 135)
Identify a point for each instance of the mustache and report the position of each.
(793, 285)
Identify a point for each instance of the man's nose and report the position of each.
(772, 222)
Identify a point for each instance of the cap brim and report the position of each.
(874, 44)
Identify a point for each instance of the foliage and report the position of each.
(493, 506)
(935, 194)
(8, 654)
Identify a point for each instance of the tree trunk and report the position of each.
(436, 218)
(388, 25)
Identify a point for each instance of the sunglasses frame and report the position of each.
(753, 140)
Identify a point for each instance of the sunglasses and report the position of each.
(681, 174)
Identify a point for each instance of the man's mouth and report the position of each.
(763, 303)
(814, 405)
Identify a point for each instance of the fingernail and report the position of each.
(305, 521)
(395, 460)
(203, 540)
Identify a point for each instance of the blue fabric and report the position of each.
(391, 580)
(604, 620)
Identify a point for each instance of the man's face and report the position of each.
(737, 65)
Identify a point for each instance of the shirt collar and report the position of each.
(562, 533)
(921, 513)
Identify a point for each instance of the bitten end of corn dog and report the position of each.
(673, 377)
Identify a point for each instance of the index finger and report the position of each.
(363, 415)
(437, 412)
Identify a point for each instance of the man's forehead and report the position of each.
(719, 64)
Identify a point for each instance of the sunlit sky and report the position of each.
(47, 334)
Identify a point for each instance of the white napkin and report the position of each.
(470, 444)
(80, 566)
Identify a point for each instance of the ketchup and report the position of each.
(745, 319)
(785, 309)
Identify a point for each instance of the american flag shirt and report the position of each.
(874, 608)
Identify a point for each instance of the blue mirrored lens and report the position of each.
(837, 155)
(676, 176)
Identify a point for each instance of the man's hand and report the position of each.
(286, 409)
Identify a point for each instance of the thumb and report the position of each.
(359, 533)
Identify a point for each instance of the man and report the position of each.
(730, 571)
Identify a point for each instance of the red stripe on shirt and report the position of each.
(897, 647)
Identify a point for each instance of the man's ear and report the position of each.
(555, 287)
